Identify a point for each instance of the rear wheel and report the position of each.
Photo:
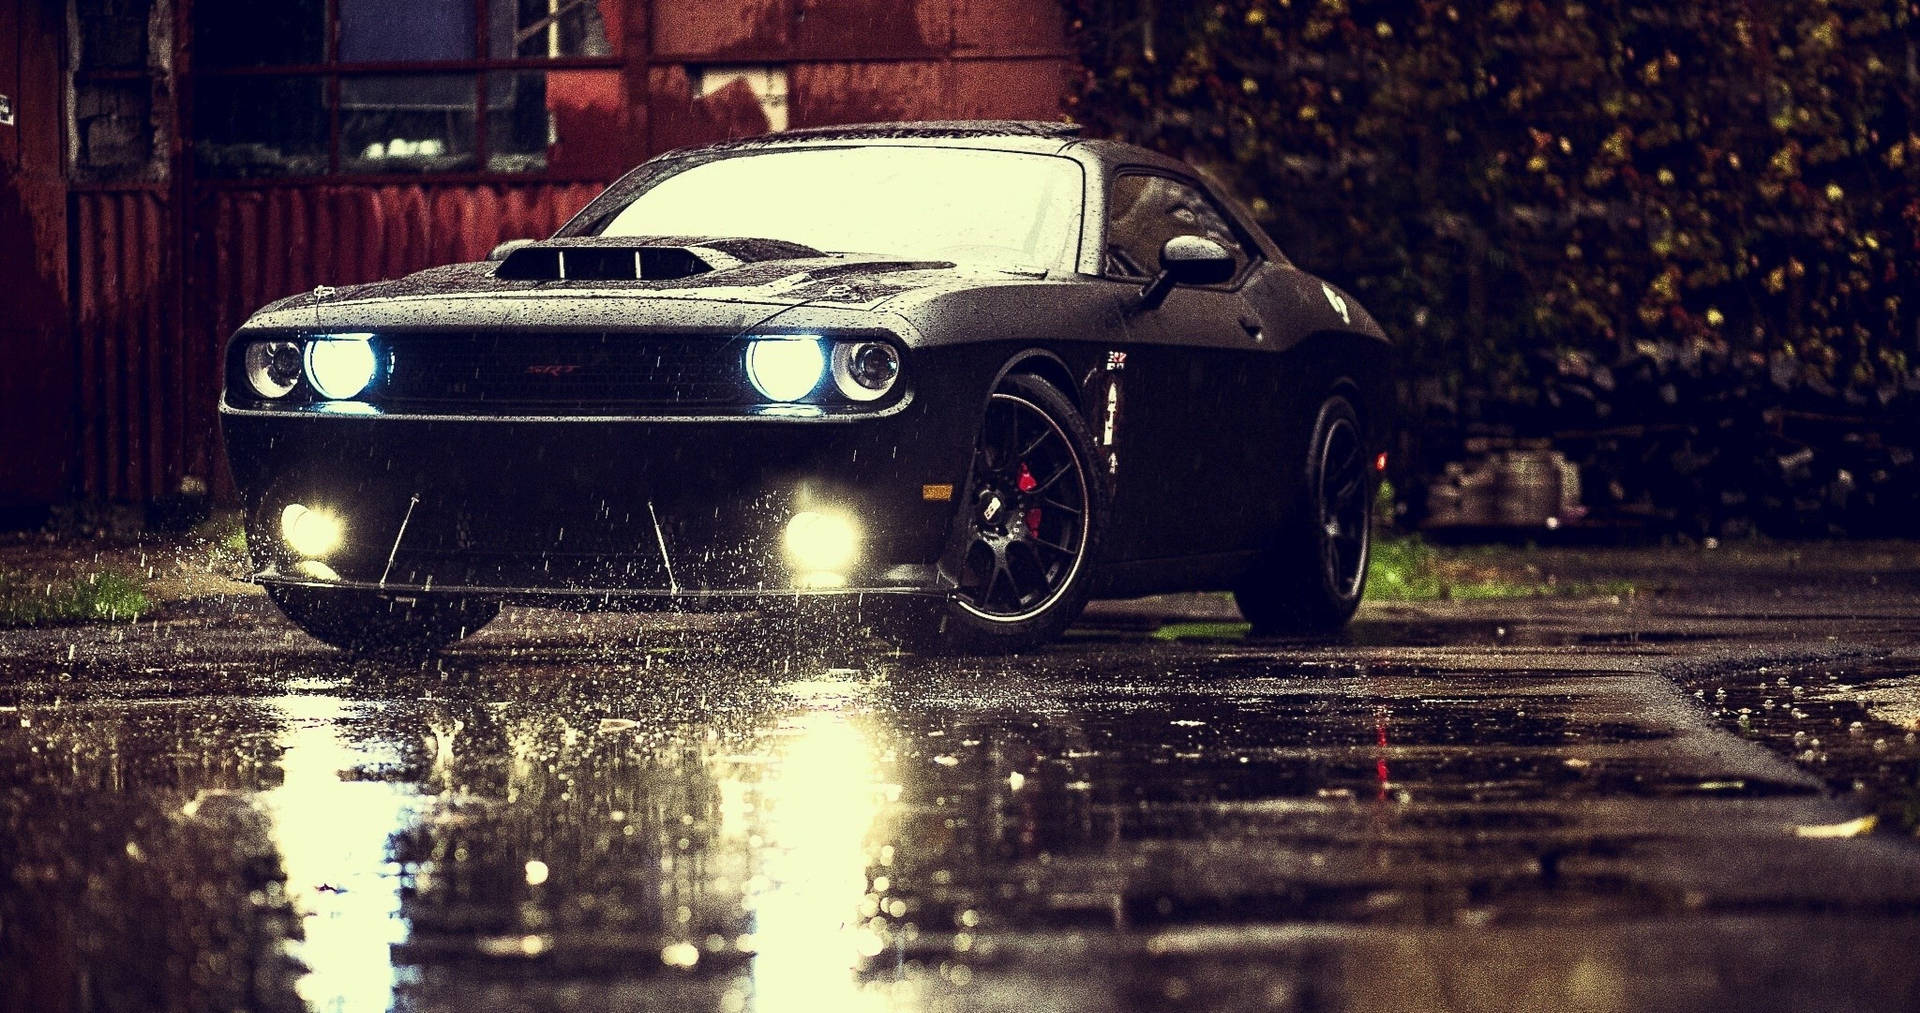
(1312, 580)
(1030, 521)
(364, 622)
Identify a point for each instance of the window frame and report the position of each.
(332, 70)
(1256, 254)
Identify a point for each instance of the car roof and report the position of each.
(1043, 137)
(1040, 136)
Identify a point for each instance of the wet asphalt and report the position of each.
(1701, 801)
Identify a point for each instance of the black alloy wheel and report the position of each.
(1313, 579)
(1342, 506)
(1029, 521)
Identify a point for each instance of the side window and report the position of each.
(1144, 211)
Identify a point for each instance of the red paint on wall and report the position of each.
(870, 29)
(780, 30)
(717, 28)
(1009, 28)
(36, 412)
(679, 120)
(1011, 89)
(594, 134)
(823, 94)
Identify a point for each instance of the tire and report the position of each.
(364, 622)
(1312, 579)
(1027, 529)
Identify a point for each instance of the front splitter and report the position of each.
(637, 599)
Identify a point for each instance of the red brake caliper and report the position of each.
(1026, 483)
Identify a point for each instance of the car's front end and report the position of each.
(841, 363)
(574, 443)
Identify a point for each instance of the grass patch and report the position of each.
(1403, 569)
(107, 596)
(1202, 631)
(223, 532)
(1408, 569)
(223, 537)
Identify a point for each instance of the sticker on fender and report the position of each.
(1338, 302)
(1112, 422)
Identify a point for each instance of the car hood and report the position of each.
(543, 281)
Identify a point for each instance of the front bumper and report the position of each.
(646, 512)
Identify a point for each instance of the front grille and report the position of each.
(588, 372)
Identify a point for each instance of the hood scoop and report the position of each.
(627, 258)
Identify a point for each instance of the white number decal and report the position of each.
(1339, 304)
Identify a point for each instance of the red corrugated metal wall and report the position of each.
(152, 308)
(142, 425)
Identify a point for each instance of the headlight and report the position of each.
(273, 367)
(865, 370)
(785, 369)
(340, 366)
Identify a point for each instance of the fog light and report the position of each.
(821, 544)
(785, 369)
(340, 366)
(310, 532)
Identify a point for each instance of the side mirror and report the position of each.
(1187, 260)
(500, 252)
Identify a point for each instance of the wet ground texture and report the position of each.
(1703, 797)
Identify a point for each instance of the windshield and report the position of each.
(1001, 209)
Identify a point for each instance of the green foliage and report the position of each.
(1203, 631)
(106, 596)
(1403, 569)
(224, 537)
(1408, 569)
(1495, 178)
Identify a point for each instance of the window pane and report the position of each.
(249, 33)
(260, 126)
(548, 28)
(520, 127)
(113, 127)
(1143, 212)
(407, 122)
(566, 121)
(380, 31)
(113, 36)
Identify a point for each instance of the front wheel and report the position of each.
(1028, 525)
(364, 622)
(1312, 579)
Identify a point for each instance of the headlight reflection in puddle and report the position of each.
(333, 837)
(822, 804)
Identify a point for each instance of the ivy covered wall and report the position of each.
(1496, 179)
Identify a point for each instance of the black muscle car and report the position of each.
(972, 372)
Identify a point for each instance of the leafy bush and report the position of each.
(1499, 178)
